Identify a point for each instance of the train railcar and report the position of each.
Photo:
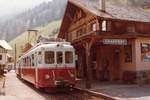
(48, 65)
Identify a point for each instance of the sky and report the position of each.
(8, 7)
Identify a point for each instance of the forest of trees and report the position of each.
(38, 16)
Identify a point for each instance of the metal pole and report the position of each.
(15, 57)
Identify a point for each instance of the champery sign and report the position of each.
(115, 41)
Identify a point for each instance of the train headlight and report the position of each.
(47, 76)
(71, 74)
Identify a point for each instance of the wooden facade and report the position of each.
(106, 47)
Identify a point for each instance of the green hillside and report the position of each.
(48, 30)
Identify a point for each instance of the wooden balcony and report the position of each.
(83, 36)
(108, 35)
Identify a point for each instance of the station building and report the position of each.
(112, 41)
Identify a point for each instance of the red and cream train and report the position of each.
(48, 65)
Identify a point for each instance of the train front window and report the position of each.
(59, 57)
(49, 57)
(68, 57)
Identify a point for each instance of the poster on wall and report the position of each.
(145, 52)
(128, 53)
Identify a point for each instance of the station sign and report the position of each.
(115, 41)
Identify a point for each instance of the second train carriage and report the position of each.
(48, 65)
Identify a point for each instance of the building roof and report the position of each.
(5, 45)
(114, 11)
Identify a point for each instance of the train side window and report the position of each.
(68, 57)
(59, 57)
(39, 53)
(39, 58)
(0, 57)
(49, 57)
(25, 60)
(32, 59)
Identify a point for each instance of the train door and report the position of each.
(36, 70)
(21, 68)
(60, 59)
(38, 62)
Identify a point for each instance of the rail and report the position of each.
(74, 95)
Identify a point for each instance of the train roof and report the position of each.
(50, 45)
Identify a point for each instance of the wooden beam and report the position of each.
(87, 45)
(69, 16)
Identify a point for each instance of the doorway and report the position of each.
(109, 63)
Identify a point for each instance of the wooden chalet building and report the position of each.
(112, 42)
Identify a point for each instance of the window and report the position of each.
(49, 57)
(104, 25)
(59, 57)
(32, 59)
(39, 53)
(94, 27)
(29, 61)
(80, 32)
(68, 57)
(0, 57)
(131, 28)
(25, 61)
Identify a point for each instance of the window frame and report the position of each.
(131, 28)
(1, 57)
(33, 60)
(53, 57)
(104, 26)
(62, 61)
(71, 55)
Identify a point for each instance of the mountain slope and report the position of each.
(38, 16)
(50, 29)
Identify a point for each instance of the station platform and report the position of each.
(116, 90)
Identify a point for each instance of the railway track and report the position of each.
(73, 95)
